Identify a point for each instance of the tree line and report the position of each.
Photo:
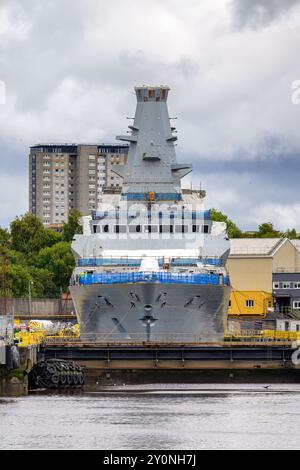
(265, 230)
(39, 261)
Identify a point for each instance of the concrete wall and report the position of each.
(40, 306)
(293, 325)
(250, 273)
(286, 256)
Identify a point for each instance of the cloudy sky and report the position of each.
(69, 68)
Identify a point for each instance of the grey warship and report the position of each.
(150, 264)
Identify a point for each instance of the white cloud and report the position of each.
(13, 196)
(283, 215)
(69, 69)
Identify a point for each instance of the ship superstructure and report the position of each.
(150, 264)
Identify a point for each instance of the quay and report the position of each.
(106, 364)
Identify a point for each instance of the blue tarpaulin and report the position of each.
(137, 261)
(159, 277)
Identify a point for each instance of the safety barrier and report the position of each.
(135, 262)
(159, 277)
(157, 196)
(145, 215)
(262, 335)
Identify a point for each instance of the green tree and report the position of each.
(43, 285)
(291, 234)
(266, 230)
(29, 236)
(59, 260)
(51, 237)
(72, 227)
(15, 257)
(232, 229)
(18, 278)
(4, 238)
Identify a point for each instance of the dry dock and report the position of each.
(106, 364)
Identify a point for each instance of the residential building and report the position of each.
(112, 155)
(67, 177)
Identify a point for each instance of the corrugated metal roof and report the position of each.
(253, 246)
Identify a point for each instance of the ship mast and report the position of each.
(151, 172)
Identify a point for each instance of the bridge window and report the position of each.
(151, 228)
(166, 228)
(204, 228)
(134, 228)
(181, 228)
(105, 228)
(296, 304)
(195, 228)
(120, 228)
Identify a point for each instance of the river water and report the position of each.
(158, 418)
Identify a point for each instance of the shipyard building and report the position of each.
(265, 279)
(68, 177)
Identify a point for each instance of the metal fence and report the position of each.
(40, 307)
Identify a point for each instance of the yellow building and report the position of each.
(252, 262)
(250, 302)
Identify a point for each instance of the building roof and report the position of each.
(296, 244)
(255, 246)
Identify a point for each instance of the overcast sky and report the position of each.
(69, 68)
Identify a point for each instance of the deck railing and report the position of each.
(159, 277)
(136, 261)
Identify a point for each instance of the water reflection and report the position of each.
(248, 417)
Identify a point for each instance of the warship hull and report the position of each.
(151, 312)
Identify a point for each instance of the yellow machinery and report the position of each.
(36, 333)
(262, 335)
